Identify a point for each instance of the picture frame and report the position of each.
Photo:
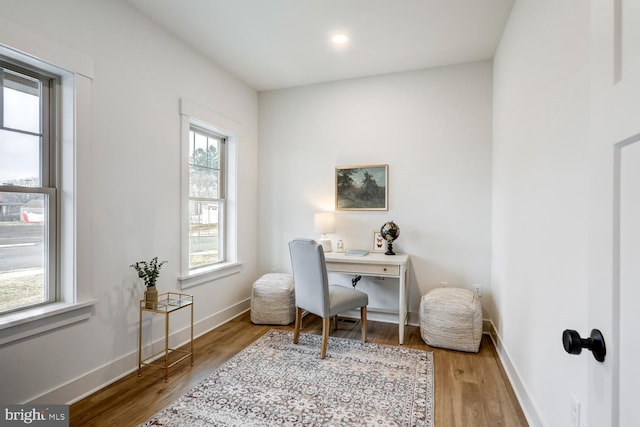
(362, 188)
(378, 243)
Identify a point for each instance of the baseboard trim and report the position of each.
(531, 413)
(413, 318)
(87, 384)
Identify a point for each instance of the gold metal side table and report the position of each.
(168, 303)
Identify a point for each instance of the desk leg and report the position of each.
(402, 304)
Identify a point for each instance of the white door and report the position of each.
(628, 371)
(614, 243)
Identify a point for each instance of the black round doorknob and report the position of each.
(573, 343)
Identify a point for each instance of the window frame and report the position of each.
(201, 129)
(49, 114)
(195, 114)
(76, 303)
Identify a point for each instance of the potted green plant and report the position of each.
(149, 272)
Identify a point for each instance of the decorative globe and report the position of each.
(390, 232)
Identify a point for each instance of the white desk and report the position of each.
(376, 265)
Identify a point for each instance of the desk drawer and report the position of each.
(362, 268)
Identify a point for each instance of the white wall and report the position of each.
(433, 129)
(129, 191)
(540, 201)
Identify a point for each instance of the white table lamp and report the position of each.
(324, 223)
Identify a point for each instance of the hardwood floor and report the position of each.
(470, 389)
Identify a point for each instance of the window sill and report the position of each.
(23, 324)
(198, 277)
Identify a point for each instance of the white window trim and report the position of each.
(75, 303)
(25, 323)
(191, 112)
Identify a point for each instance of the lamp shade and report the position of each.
(324, 222)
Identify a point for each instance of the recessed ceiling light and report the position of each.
(340, 38)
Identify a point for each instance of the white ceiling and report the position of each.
(273, 44)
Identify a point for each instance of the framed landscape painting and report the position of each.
(362, 188)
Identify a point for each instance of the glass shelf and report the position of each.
(167, 302)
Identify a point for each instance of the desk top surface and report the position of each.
(370, 258)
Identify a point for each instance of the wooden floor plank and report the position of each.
(470, 389)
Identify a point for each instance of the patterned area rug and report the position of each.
(274, 382)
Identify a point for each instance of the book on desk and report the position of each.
(356, 252)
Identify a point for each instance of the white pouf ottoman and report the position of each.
(451, 318)
(273, 300)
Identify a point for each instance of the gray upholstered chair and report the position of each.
(315, 295)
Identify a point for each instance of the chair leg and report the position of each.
(363, 320)
(335, 322)
(296, 330)
(325, 336)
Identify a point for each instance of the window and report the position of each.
(45, 104)
(206, 197)
(28, 186)
(209, 195)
